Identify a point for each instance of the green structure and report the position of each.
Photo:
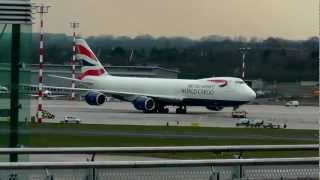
(15, 40)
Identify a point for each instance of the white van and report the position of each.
(71, 119)
(292, 103)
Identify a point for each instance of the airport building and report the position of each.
(255, 84)
(301, 89)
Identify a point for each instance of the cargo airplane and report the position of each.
(152, 95)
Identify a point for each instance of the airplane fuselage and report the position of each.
(222, 91)
(153, 94)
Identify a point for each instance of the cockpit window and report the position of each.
(240, 82)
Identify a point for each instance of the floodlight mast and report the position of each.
(244, 52)
(74, 25)
(41, 9)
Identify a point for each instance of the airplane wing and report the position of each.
(71, 79)
(129, 96)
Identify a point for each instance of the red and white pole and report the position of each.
(73, 67)
(41, 10)
(74, 26)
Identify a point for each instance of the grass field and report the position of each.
(83, 135)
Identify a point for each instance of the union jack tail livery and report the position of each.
(90, 65)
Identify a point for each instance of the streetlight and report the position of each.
(244, 52)
(74, 25)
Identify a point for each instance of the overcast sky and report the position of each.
(292, 19)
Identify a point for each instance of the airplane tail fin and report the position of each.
(90, 65)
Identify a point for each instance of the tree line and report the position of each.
(271, 59)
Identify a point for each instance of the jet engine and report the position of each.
(215, 108)
(144, 104)
(95, 98)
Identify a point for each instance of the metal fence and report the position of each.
(171, 149)
(269, 168)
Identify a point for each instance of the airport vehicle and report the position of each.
(239, 114)
(155, 94)
(250, 122)
(71, 119)
(48, 94)
(47, 115)
(292, 103)
(272, 125)
(258, 123)
(243, 122)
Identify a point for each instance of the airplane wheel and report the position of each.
(163, 110)
(166, 110)
(181, 111)
(235, 108)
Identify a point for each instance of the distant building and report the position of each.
(302, 89)
(256, 84)
(309, 83)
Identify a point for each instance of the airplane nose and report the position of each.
(251, 94)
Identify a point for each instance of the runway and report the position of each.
(303, 117)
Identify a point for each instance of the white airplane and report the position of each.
(46, 93)
(155, 94)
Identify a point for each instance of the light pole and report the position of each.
(42, 9)
(244, 52)
(74, 25)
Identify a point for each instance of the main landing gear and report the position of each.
(162, 109)
(158, 108)
(181, 110)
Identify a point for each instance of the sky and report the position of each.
(290, 19)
